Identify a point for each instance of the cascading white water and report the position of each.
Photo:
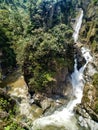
(64, 117)
(77, 26)
(78, 79)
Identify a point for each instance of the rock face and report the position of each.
(88, 109)
(62, 84)
(54, 98)
(89, 106)
(88, 36)
(88, 32)
(51, 103)
(89, 101)
(80, 59)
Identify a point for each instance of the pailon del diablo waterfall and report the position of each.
(64, 117)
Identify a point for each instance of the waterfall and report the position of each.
(77, 26)
(65, 116)
(78, 79)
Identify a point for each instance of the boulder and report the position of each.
(46, 104)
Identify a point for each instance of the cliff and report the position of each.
(89, 30)
(89, 37)
(36, 37)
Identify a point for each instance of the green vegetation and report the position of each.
(89, 30)
(13, 126)
(95, 1)
(95, 80)
(36, 36)
(47, 52)
(95, 83)
(37, 32)
(8, 110)
(8, 55)
(12, 31)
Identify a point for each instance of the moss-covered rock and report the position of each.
(88, 32)
(90, 101)
(95, 80)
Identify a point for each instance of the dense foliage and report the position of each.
(12, 30)
(8, 57)
(89, 31)
(48, 51)
(38, 26)
(8, 110)
(36, 35)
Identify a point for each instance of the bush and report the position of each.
(45, 54)
(13, 126)
(95, 80)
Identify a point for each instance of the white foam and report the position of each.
(78, 26)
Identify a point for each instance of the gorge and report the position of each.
(48, 65)
(64, 118)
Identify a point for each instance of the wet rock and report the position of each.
(91, 70)
(87, 108)
(59, 102)
(80, 59)
(79, 110)
(31, 101)
(49, 105)
(92, 124)
(37, 111)
(46, 104)
(78, 45)
(91, 112)
(80, 118)
(82, 122)
(38, 98)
